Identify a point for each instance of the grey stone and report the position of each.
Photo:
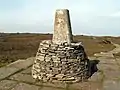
(47, 45)
(60, 49)
(111, 85)
(60, 76)
(62, 27)
(55, 59)
(97, 77)
(105, 60)
(48, 58)
(104, 54)
(61, 46)
(41, 58)
(24, 86)
(69, 48)
(51, 88)
(7, 71)
(22, 78)
(52, 54)
(54, 45)
(7, 84)
(69, 79)
(47, 41)
(41, 54)
(44, 48)
(117, 61)
(27, 71)
(22, 63)
(76, 44)
(112, 74)
(108, 67)
(43, 51)
(15, 67)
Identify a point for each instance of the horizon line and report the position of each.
(52, 33)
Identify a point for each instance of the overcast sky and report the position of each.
(93, 17)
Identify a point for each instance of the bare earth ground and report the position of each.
(21, 46)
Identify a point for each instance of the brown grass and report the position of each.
(21, 46)
(94, 44)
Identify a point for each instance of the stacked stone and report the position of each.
(62, 62)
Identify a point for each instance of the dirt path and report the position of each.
(108, 70)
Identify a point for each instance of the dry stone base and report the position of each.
(60, 62)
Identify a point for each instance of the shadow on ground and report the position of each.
(92, 67)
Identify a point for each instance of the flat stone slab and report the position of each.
(22, 63)
(104, 54)
(15, 67)
(111, 85)
(108, 67)
(86, 86)
(7, 71)
(112, 75)
(116, 50)
(48, 88)
(26, 77)
(7, 84)
(24, 86)
(97, 77)
(53, 85)
(22, 78)
(118, 61)
(106, 60)
(27, 71)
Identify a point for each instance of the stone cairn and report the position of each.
(61, 59)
